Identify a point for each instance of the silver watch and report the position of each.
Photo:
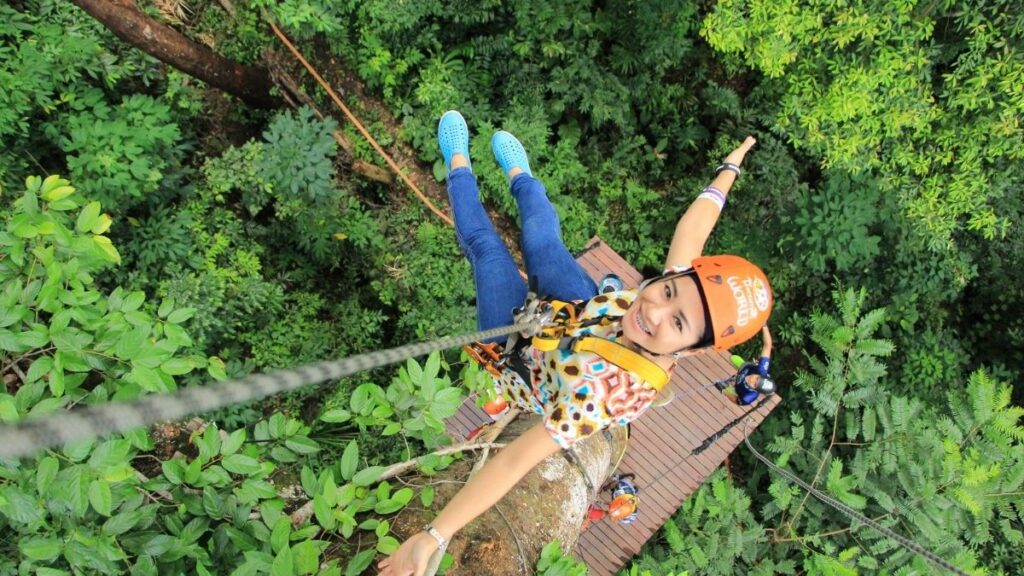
(442, 544)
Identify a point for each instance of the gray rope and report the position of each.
(905, 542)
(27, 437)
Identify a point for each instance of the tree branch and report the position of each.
(303, 513)
(166, 44)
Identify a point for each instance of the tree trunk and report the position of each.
(548, 504)
(123, 18)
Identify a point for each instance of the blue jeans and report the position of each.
(552, 271)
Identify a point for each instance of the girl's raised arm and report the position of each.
(497, 477)
(695, 226)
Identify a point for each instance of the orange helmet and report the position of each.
(737, 296)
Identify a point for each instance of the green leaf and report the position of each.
(389, 506)
(8, 409)
(387, 545)
(18, 506)
(309, 481)
(107, 248)
(302, 445)
(41, 549)
(46, 471)
(88, 216)
(102, 224)
(350, 460)
(233, 442)
(166, 307)
(77, 451)
(283, 565)
(427, 496)
(337, 415)
(174, 470)
(59, 193)
(39, 368)
(324, 512)
(328, 489)
(148, 379)
(213, 504)
(362, 398)
(446, 402)
(133, 301)
(307, 557)
(100, 497)
(177, 366)
(360, 562)
(279, 535)
(215, 367)
(180, 315)
(403, 496)
(120, 523)
(241, 464)
(110, 453)
(382, 529)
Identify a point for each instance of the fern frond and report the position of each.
(874, 347)
(870, 322)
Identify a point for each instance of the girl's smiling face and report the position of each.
(667, 316)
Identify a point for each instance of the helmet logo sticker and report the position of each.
(761, 297)
(751, 297)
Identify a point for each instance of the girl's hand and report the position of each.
(411, 558)
(737, 155)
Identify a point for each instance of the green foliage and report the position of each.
(918, 95)
(297, 160)
(415, 404)
(553, 562)
(61, 327)
(121, 154)
(42, 66)
(426, 279)
(851, 375)
(714, 532)
(835, 224)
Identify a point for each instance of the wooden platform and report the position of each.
(659, 439)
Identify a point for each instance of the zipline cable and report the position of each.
(853, 514)
(27, 437)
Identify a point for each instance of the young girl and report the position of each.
(697, 303)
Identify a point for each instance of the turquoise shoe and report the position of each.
(453, 137)
(509, 152)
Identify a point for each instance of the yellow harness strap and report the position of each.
(550, 338)
(626, 359)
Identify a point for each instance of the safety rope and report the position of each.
(27, 437)
(905, 542)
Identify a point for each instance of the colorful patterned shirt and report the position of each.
(579, 393)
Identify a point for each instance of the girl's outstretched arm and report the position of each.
(695, 226)
(497, 477)
(766, 348)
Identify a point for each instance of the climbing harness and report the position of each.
(27, 437)
(853, 514)
(559, 320)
